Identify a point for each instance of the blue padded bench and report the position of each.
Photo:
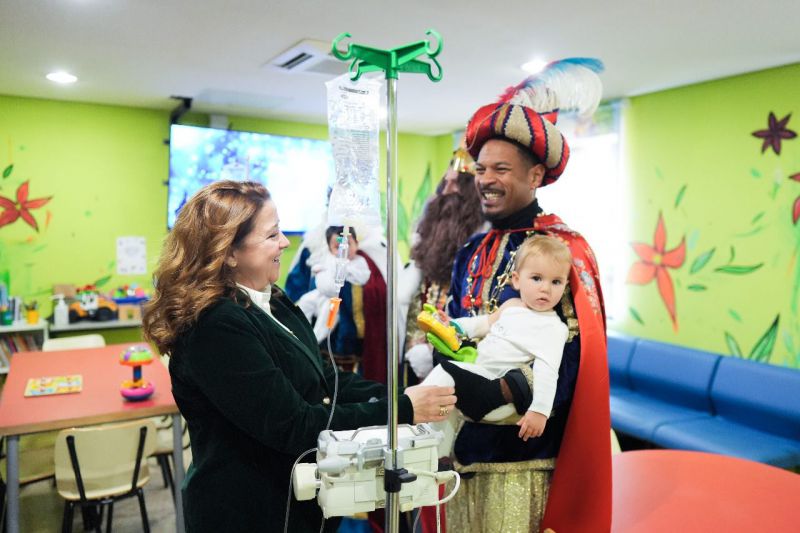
(667, 384)
(620, 350)
(757, 415)
(678, 397)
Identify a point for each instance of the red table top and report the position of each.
(99, 401)
(672, 490)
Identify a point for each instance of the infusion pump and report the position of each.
(348, 476)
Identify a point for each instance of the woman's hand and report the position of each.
(431, 403)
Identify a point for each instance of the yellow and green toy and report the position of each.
(445, 335)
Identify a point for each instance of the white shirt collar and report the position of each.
(260, 298)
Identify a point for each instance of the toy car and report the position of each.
(91, 306)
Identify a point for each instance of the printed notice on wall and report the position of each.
(131, 255)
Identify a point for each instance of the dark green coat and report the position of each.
(255, 398)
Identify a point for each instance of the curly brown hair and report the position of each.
(192, 273)
(448, 221)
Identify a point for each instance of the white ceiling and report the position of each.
(140, 52)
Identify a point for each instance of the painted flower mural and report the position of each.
(796, 206)
(21, 208)
(775, 133)
(654, 264)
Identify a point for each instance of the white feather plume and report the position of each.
(570, 84)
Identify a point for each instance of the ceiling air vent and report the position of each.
(308, 55)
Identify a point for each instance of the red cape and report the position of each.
(580, 491)
(373, 348)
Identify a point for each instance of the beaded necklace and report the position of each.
(483, 263)
(435, 294)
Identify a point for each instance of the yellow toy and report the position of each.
(444, 334)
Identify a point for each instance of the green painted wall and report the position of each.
(692, 157)
(104, 168)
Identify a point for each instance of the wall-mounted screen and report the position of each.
(296, 171)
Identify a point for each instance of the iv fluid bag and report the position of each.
(353, 127)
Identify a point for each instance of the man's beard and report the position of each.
(449, 220)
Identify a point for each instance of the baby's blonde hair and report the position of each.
(545, 246)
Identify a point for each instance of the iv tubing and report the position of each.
(289, 496)
(327, 426)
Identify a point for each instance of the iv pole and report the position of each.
(400, 59)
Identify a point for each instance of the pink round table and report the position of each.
(682, 491)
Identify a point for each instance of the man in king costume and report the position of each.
(561, 480)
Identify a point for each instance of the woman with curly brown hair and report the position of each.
(246, 371)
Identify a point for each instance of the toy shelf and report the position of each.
(87, 325)
(20, 327)
(20, 336)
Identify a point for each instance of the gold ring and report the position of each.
(443, 411)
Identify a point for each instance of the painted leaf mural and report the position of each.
(407, 219)
(733, 346)
(738, 269)
(701, 261)
(654, 263)
(679, 197)
(636, 316)
(762, 350)
(423, 193)
(402, 217)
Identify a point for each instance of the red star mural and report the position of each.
(654, 263)
(21, 208)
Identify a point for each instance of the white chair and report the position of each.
(93, 340)
(98, 465)
(165, 447)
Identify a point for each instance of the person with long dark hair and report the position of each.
(449, 219)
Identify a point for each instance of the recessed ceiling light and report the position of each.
(62, 77)
(532, 67)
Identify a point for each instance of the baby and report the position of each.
(521, 331)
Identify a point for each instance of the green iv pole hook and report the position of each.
(401, 59)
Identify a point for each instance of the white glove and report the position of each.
(420, 357)
(309, 303)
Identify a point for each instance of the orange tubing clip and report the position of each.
(332, 311)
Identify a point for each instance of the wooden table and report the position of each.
(672, 490)
(99, 402)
